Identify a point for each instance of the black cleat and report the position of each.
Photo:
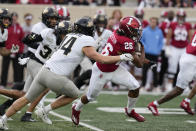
(27, 117)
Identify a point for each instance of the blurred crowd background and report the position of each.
(144, 3)
(151, 80)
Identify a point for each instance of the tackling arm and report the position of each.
(92, 54)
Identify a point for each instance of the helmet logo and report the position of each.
(102, 18)
(61, 24)
(130, 20)
(45, 11)
(90, 23)
(70, 28)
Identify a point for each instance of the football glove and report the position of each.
(126, 57)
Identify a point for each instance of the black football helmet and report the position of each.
(84, 26)
(100, 22)
(49, 13)
(4, 13)
(64, 27)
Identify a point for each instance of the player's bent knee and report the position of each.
(133, 93)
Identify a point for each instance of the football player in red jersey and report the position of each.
(186, 75)
(179, 34)
(139, 13)
(190, 73)
(121, 41)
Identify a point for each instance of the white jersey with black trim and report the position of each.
(37, 28)
(70, 54)
(101, 41)
(48, 45)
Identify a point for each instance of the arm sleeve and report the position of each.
(48, 36)
(89, 41)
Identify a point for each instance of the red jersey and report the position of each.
(145, 23)
(191, 48)
(116, 45)
(180, 34)
(164, 27)
(15, 36)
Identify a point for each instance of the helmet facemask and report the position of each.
(135, 34)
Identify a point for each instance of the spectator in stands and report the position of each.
(27, 26)
(152, 40)
(139, 13)
(7, 1)
(167, 3)
(110, 24)
(116, 2)
(80, 2)
(148, 3)
(184, 3)
(33, 1)
(15, 35)
(59, 2)
(115, 19)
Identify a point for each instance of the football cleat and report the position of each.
(75, 115)
(3, 125)
(27, 117)
(186, 106)
(43, 115)
(135, 115)
(153, 108)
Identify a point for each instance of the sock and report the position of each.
(131, 103)
(79, 105)
(28, 112)
(156, 103)
(187, 100)
(48, 108)
(4, 117)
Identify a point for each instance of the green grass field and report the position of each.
(112, 121)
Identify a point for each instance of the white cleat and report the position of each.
(40, 112)
(3, 125)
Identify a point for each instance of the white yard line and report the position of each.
(191, 121)
(69, 119)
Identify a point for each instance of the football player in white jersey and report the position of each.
(54, 74)
(101, 36)
(51, 40)
(49, 21)
(5, 22)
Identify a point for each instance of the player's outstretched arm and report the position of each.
(93, 54)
